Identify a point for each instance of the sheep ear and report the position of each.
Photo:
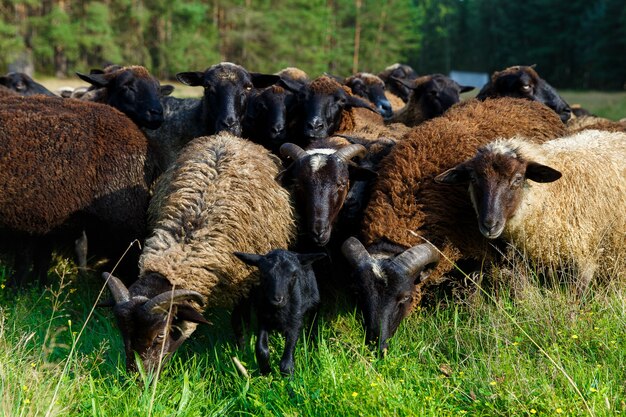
(286, 174)
(166, 89)
(188, 313)
(97, 80)
(541, 173)
(353, 101)
(263, 80)
(248, 258)
(193, 78)
(358, 173)
(308, 258)
(457, 175)
(466, 88)
(291, 85)
(407, 83)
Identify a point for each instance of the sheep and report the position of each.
(131, 90)
(523, 82)
(219, 197)
(577, 222)
(221, 108)
(430, 96)
(372, 88)
(408, 212)
(579, 123)
(391, 76)
(294, 74)
(286, 293)
(70, 165)
(23, 84)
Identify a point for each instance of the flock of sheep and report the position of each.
(271, 185)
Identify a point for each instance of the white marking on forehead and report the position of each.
(378, 271)
(324, 151)
(501, 147)
(319, 157)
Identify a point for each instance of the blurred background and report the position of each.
(576, 44)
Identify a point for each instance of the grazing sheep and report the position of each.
(219, 197)
(576, 222)
(430, 96)
(524, 82)
(286, 293)
(70, 165)
(23, 84)
(408, 212)
(372, 88)
(131, 90)
(391, 76)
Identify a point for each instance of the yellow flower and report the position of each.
(533, 411)
(2, 286)
(574, 336)
(33, 364)
(492, 383)
(69, 323)
(593, 389)
(373, 384)
(596, 328)
(515, 343)
(26, 401)
(355, 394)
(559, 410)
(24, 387)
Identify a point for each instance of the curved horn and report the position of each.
(163, 300)
(355, 252)
(116, 286)
(415, 259)
(292, 151)
(350, 151)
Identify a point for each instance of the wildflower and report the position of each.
(493, 383)
(24, 387)
(559, 410)
(69, 323)
(596, 328)
(592, 389)
(26, 401)
(373, 384)
(33, 364)
(574, 336)
(2, 286)
(461, 373)
(428, 398)
(533, 411)
(355, 394)
(515, 343)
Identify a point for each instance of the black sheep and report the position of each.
(287, 291)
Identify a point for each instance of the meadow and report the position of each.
(509, 342)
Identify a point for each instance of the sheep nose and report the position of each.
(315, 124)
(230, 124)
(276, 130)
(278, 300)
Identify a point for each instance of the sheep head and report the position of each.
(396, 72)
(524, 82)
(226, 90)
(496, 177)
(153, 328)
(372, 88)
(320, 179)
(388, 286)
(133, 91)
(23, 84)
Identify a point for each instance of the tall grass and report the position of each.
(520, 348)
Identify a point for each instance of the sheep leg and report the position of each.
(291, 338)
(80, 251)
(239, 320)
(263, 351)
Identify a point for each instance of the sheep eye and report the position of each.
(517, 181)
(526, 88)
(20, 86)
(405, 298)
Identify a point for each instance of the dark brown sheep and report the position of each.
(23, 84)
(407, 208)
(395, 72)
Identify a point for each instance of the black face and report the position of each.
(138, 98)
(523, 85)
(279, 272)
(266, 117)
(23, 84)
(385, 298)
(372, 92)
(322, 113)
(438, 95)
(398, 88)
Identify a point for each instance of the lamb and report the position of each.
(70, 165)
(287, 292)
(219, 197)
(23, 84)
(391, 76)
(577, 222)
(523, 82)
(408, 212)
(430, 96)
(131, 90)
(221, 108)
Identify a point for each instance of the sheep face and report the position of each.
(496, 177)
(23, 84)
(387, 287)
(134, 92)
(266, 116)
(396, 72)
(434, 94)
(320, 179)
(524, 82)
(372, 88)
(226, 90)
(153, 328)
(323, 102)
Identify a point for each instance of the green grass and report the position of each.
(611, 105)
(537, 352)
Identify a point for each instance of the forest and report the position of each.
(575, 44)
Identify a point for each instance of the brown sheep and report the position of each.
(391, 76)
(220, 196)
(577, 124)
(407, 208)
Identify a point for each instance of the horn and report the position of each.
(350, 151)
(355, 252)
(172, 297)
(414, 259)
(116, 286)
(292, 151)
